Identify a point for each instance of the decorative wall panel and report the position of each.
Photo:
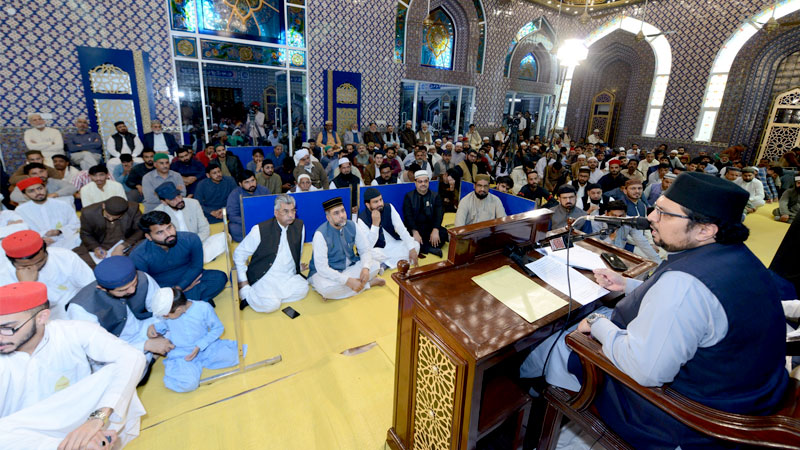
(435, 396)
(242, 53)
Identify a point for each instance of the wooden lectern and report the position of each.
(450, 333)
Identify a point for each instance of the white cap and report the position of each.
(486, 138)
(622, 149)
(673, 151)
(581, 156)
(300, 154)
(343, 161)
(596, 131)
(459, 144)
(523, 144)
(302, 175)
(593, 159)
(306, 145)
(438, 140)
(421, 173)
(162, 302)
(797, 178)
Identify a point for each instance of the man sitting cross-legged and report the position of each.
(422, 215)
(51, 396)
(53, 219)
(335, 270)
(274, 247)
(387, 233)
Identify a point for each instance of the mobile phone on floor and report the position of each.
(614, 261)
(289, 311)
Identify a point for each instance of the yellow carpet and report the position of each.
(316, 397)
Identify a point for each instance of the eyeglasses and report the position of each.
(7, 331)
(661, 212)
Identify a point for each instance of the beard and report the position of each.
(251, 190)
(12, 348)
(482, 195)
(169, 242)
(179, 206)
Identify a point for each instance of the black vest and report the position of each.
(128, 139)
(386, 224)
(381, 181)
(267, 250)
(111, 311)
(350, 180)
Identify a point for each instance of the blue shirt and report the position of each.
(118, 176)
(193, 168)
(234, 205)
(176, 266)
(213, 196)
(198, 327)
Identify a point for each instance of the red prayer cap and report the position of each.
(22, 244)
(22, 296)
(28, 182)
(615, 161)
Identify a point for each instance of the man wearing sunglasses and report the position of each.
(51, 396)
(708, 321)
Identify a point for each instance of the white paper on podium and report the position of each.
(554, 272)
(578, 257)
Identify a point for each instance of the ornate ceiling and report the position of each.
(572, 6)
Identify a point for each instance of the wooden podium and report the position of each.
(451, 333)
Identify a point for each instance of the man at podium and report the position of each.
(692, 323)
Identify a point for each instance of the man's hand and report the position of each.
(27, 273)
(584, 327)
(151, 332)
(53, 195)
(592, 209)
(85, 436)
(217, 213)
(364, 276)
(53, 233)
(303, 267)
(194, 283)
(14, 222)
(609, 279)
(100, 253)
(49, 241)
(784, 218)
(769, 200)
(139, 188)
(435, 241)
(159, 345)
(416, 236)
(192, 355)
(119, 251)
(354, 284)
(413, 258)
(376, 218)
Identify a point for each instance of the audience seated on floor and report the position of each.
(387, 233)
(123, 141)
(191, 170)
(213, 193)
(423, 212)
(109, 228)
(248, 187)
(101, 188)
(45, 139)
(56, 188)
(85, 146)
(53, 219)
(156, 178)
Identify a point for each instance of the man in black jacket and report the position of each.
(423, 213)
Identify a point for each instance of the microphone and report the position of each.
(638, 223)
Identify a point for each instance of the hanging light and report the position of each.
(585, 17)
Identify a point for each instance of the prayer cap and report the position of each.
(421, 173)
(565, 189)
(796, 178)
(28, 182)
(459, 144)
(167, 191)
(162, 302)
(116, 206)
(303, 175)
(592, 159)
(22, 244)
(332, 203)
(486, 138)
(614, 161)
(343, 161)
(305, 145)
(22, 296)
(581, 156)
(584, 169)
(114, 272)
(750, 170)
(596, 131)
(370, 194)
(673, 152)
(708, 195)
(482, 177)
(300, 154)
(438, 140)
(160, 156)
(670, 176)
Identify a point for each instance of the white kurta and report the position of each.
(47, 140)
(471, 209)
(91, 194)
(64, 274)
(10, 222)
(281, 283)
(50, 393)
(113, 154)
(595, 175)
(395, 249)
(329, 282)
(135, 331)
(756, 190)
(53, 215)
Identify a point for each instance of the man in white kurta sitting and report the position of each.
(187, 215)
(121, 301)
(27, 258)
(57, 189)
(274, 247)
(480, 205)
(43, 138)
(388, 236)
(121, 142)
(10, 222)
(51, 396)
(101, 188)
(754, 187)
(335, 270)
(53, 219)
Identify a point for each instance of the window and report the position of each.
(438, 38)
(528, 68)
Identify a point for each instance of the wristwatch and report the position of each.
(593, 317)
(99, 414)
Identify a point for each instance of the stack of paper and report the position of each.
(578, 257)
(554, 272)
(520, 293)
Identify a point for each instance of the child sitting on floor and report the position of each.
(194, 329)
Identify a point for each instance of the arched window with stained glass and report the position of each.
(438, 40)
(529, 68)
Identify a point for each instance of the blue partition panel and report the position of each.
(513, 204)
(309, 208)
(245, 154)
(394, 194)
